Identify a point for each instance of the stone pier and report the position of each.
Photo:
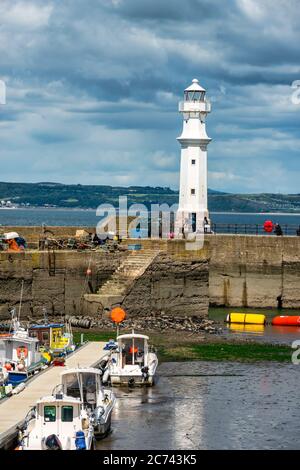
(230, 270)
(175, 281)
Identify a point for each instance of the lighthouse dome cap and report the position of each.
(195, 86)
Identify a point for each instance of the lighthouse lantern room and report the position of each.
(192, 214)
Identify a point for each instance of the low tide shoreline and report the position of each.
(202, 347)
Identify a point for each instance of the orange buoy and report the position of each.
(286, 320)
(8, 366)
(117, 315)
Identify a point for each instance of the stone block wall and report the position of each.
(254, 271)
(230, 270)
(175, 286)
(56, 281)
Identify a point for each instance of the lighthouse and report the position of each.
(192, 214)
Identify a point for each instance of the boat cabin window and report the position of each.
(67, 414)
(133, 351)
(45, 336)
(49, 414)
(57, 334)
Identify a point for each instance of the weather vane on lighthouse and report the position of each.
(192, 214)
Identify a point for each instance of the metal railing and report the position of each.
(253, 229)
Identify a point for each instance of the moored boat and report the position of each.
(85, 383)
(132, 362)
(19, 353)
(57, 338)
(57, 422)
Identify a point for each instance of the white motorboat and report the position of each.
(133, 362)
(85, 383)
(57, 422)
(19, 353)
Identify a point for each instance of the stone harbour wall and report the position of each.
(230, 270)
(254, 271)
(175, 282)
(56, 281)
(170, 285)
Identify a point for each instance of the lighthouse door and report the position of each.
(194, 221)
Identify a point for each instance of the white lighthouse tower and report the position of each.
(192, 208)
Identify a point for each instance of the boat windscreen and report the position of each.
(133, 351)
(86, 380)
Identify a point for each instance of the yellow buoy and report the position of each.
(246, 318)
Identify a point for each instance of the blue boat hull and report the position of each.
(15, 378)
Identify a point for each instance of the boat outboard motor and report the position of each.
(52, 443)
(145, 372)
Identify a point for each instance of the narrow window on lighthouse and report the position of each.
(193, 162)
(192, 191)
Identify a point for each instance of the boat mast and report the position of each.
(21, 298)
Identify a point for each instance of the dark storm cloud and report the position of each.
(100, 81)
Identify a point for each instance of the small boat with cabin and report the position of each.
(55, 337)
(20, 353)
(57, 422)
(133, 361)
(85, 383)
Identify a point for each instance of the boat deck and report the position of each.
(14, 409)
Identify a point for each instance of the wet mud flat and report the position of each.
(210, 405)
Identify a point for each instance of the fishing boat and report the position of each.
(132, 362)
(57, 338)
(85, 383)
(19, 353)
(57, 422)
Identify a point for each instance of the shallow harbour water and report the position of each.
(262, 333)
(208, 405)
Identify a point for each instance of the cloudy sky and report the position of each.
(93, 89)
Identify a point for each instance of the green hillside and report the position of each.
(86, 196)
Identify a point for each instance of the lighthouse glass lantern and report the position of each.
(192, 214)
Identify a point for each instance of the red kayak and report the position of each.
(285, 320)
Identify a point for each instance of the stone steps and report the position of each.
(118, 285)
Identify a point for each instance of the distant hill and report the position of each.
(87, 196)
